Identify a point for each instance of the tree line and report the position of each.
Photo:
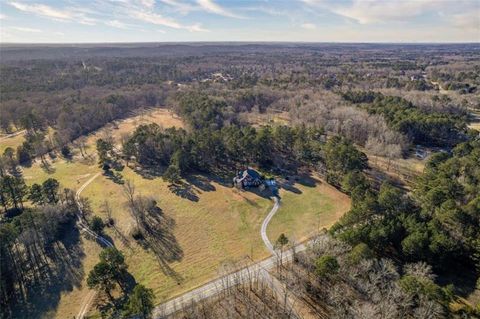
(424, 128)
(437, 224)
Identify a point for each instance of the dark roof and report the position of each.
(253, 173)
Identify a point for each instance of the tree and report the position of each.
(50, 190)
(172, 174)
(9, 155)
(116, 260)
(342, 157)
(282, 240)
(359, 253)
(102, 277)
(140, 302)
(23, 154)
(36, 194)
(110, 270)
(66, 151)
(326, 266)
(14, 190)
(97, 225)
(104, 149)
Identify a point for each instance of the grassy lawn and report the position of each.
(475, 126)
(212, 226)
(12, 142)
(307, 209)
(221, 225)
(69, 303)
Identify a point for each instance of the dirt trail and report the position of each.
(86, 302)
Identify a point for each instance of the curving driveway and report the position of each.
(213, 287)
(216, 286)
(266, 221)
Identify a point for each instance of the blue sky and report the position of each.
(240, 20)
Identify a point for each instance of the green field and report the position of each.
(12, 142)
(220, 225)
(306, 210)
(212, 224)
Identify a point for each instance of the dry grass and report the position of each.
(12, 142)
(220, 225)
(271, 118)
(475, 124)
(223, 226)
(163, 117)
(307, 209)
(69, 304)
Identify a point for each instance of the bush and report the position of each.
(326, 266)
(136, 233)
(97, 225)
(358, 253)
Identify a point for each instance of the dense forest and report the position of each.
(96, 87)
(396, 253)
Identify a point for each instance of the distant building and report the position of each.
(248, 178)
(420, 152)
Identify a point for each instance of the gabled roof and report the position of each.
(252, 173)
(249, 172)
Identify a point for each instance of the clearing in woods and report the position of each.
(11, 140)
(211, 223)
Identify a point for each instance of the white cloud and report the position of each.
(43, 10)
(210, 6)
(469, 20)
(77, 15)
(3, 17)
(29, 30)
(158, 19)
(181, 7)
(378, 11)
(373, 11)
(116, 24)
(147, 3)
(308, 26)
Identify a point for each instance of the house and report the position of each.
(248, 178)
(415, 77)
(420, 152)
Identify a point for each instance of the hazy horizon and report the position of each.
(299, 21)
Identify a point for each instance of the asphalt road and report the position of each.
(213, 287)
(218, 285)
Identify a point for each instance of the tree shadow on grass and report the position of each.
(149, 172)
(115, 177)
(61, 274)
(289, 186)
(201, 182)
(308, 180)
(49, 169)
(184, 190)
(157, 232)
